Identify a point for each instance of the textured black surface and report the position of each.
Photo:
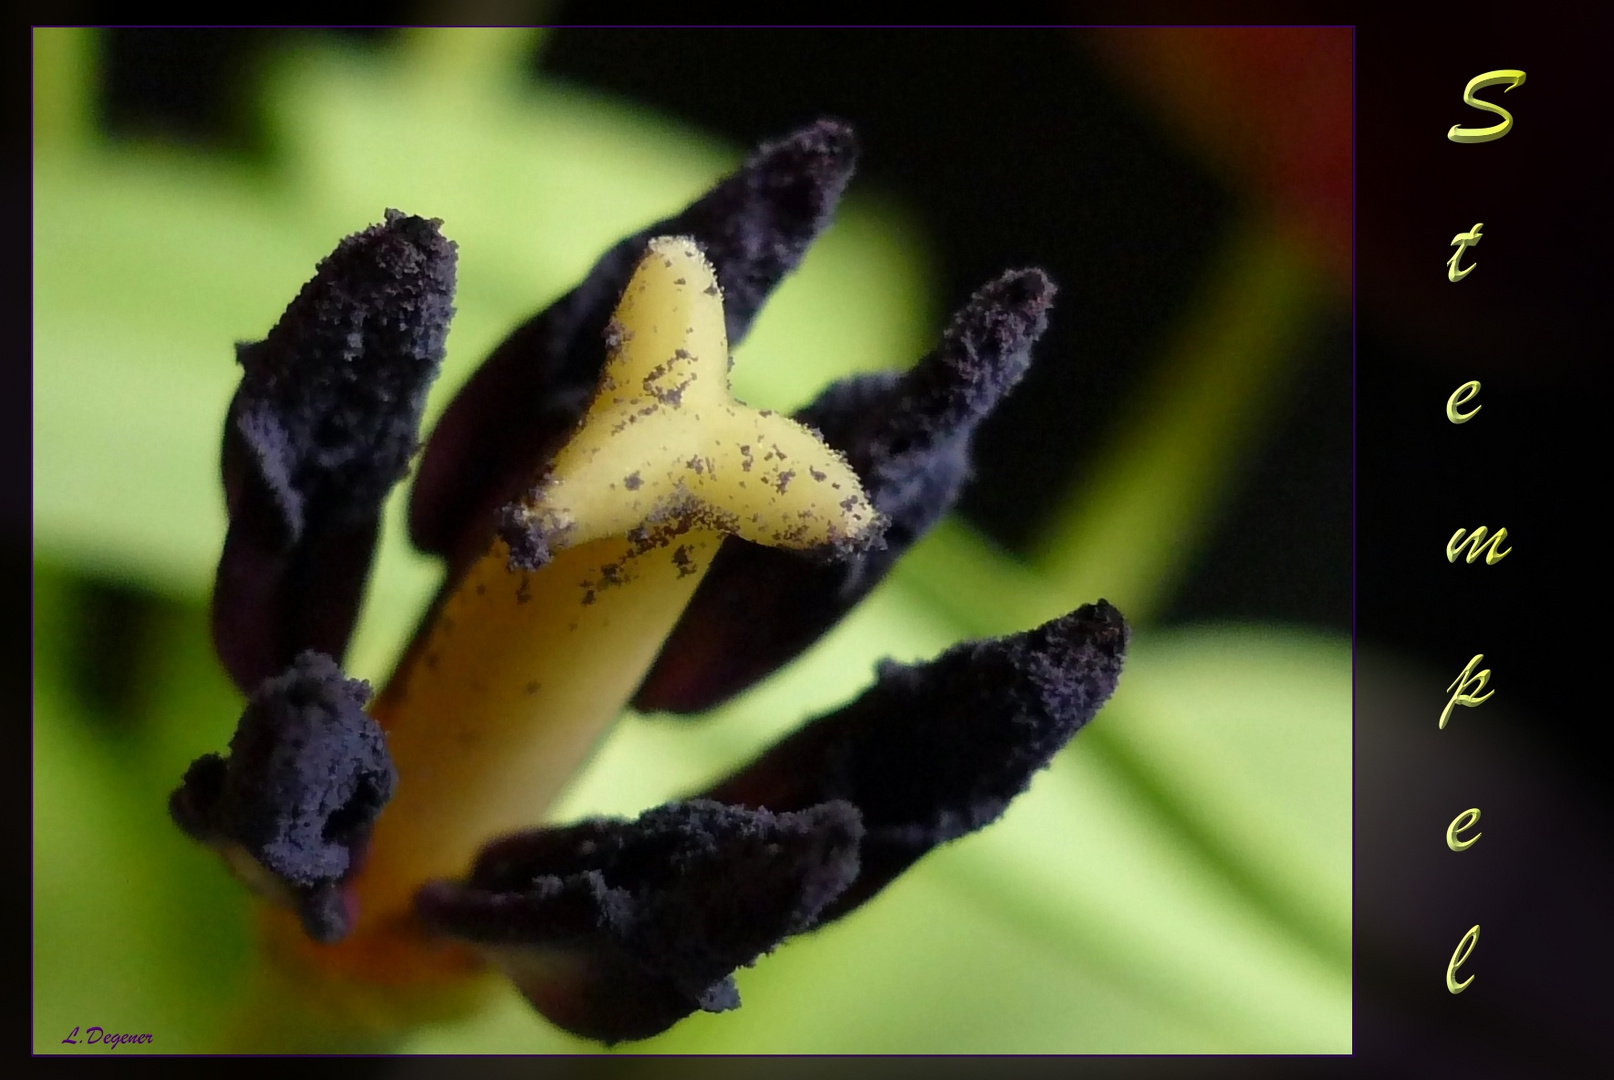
(617, 929)
(306, 776)
(908, 438)
(329, 404)
(323, 424)
(936, 750)
(753, 226)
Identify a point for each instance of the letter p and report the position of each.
(1466, 685)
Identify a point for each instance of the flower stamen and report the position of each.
(536, 648)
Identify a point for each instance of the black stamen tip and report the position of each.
(323, 424)
(936, 750)
(329, 403)
(889, 427)
(984, 352)
(756, 224)
(307, 774)
(616, 930)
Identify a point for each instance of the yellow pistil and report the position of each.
(519, 672)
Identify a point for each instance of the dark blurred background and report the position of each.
(1123, 220)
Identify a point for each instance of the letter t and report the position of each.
(1464, 241)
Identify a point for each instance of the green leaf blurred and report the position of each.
(1179, 881)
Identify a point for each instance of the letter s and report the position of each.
(1478, 135)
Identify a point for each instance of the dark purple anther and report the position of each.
(323, 425)
(618, 929)
(308, 772)
(936, 750)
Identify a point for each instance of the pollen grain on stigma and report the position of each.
(541, 643)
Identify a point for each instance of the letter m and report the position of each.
(1476, 544)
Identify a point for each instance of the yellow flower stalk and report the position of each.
(520, 671)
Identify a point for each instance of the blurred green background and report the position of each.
(1178, 881)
